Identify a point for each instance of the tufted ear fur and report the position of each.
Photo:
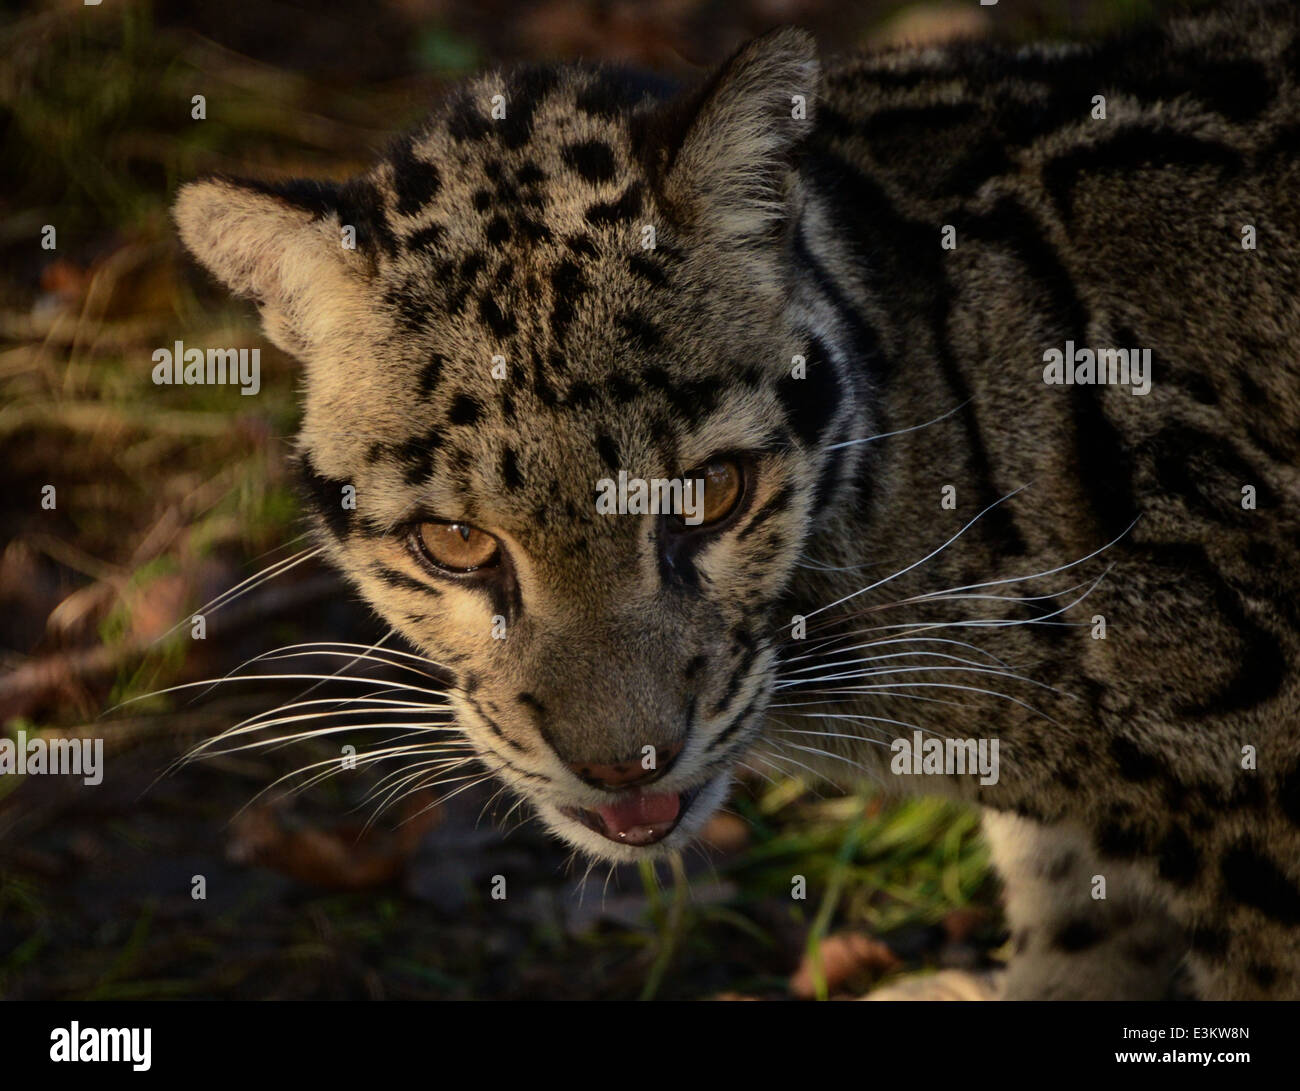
(731, 168)
(281, 245)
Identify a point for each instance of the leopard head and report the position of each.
(567, 284)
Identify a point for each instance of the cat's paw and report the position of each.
(943, 985)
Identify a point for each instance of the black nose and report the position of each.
(625, 774)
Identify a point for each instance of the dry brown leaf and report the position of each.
(345, 857)
(65, 280)
(726, 833)
(960, 924)
(845, 957)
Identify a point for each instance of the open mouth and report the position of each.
(636, 817)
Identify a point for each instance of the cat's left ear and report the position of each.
(282, 245)
(731, 165)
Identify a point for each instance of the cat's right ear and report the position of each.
(281, 245)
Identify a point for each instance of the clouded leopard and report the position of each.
(985, 363)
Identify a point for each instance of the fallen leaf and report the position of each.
(845, 957)
(726, 833)
(960, 924)
(345, 857)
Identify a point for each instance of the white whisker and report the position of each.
(886, 671)
(279, 568)
(900, 431)
(915, 564)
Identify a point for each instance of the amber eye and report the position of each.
(457, 547)
(723, 486)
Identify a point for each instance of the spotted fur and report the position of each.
(518, 243)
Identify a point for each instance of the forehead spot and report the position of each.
(460, 461)
(541, 384)
(530, 174)
(622, 389)
(506, 193)
(430, 375)
(642, 332)
(646, 269)
(417, 454)
(500, 323)
(533, 230)
(427, 238)
(581, 393)
(610, 93)
(581, 245)
(568, 287)
(690, 399)
(607, 448)
(465, 409)
(414, 180)
(592, 160)
(413, 309)
(612, 213)
(510, 474)
(527, 91)
(463, 282)
(468, 123)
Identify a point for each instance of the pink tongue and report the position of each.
(637, 809)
